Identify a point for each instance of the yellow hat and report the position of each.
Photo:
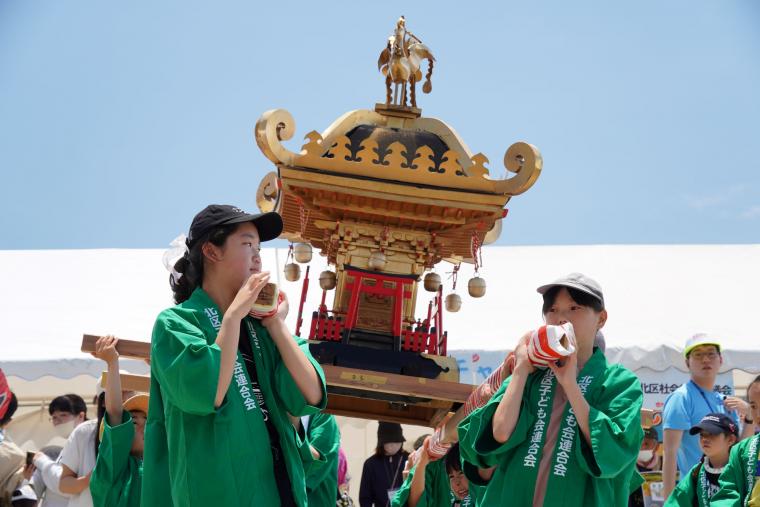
(698, 340)
(138, 403)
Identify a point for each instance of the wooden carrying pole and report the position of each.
(364, 381)
(125, 348)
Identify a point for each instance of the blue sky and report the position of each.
(119, 120)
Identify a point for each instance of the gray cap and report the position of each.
(577, 281)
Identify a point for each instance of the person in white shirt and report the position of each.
(77, 461)
(66, 413)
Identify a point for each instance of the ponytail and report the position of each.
(187, 274)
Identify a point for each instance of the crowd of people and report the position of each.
(235, 414)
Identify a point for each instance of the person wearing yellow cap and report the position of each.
(117, 477)
(688, 404)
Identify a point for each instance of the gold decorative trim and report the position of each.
(456, 168)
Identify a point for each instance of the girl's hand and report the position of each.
(282, 313)
(105, 349)
(567, 372)
(247, 295)
(522, 362)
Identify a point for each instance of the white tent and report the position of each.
(656, 296)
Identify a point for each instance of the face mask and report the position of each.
(64, 430)
(392, 448)
(646, 456)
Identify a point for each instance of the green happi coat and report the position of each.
(601, 474)
(196, 454)
(739, 484)
(322, 474)
(691, 490)
(116, 478)
(437, 491)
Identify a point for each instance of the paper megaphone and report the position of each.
(549, 344)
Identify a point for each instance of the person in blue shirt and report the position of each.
(688, 404)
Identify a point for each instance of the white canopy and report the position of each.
(656, 296)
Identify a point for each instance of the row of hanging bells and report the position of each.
(476, 286)
(301, 253)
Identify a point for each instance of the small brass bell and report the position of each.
(477, 287)
(327, 280)
(302, 252)
(292, 272)
(453, 303)
(432, 282)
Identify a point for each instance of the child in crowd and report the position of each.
(439, 483)
(567, 435)
(717, 433)
(740, 480)
(322, 441)
(117, 477)
(648, 461)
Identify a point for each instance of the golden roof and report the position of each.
(388, 167)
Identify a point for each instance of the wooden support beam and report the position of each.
(130, 382)
(392, 383)
(377, 410)
(425, 414)
(125, 348)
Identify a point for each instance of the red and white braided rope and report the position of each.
(437, 448)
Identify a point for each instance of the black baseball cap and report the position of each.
(715, 424)
(269, 224)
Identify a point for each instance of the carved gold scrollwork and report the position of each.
(493, 233)
(334, 151)
(450, 164)
(478, 168)
(395, 155)
(267, 193)
(274, 126)
(525, 160)
(423, 159)
(341, 149)
(313, 145)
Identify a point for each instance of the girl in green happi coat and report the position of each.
(441, 483)
(740, 480)
(117, 477)
(322, 437)
(567, 435)
(717, 433)
(224, 384)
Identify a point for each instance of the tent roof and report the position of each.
(656, 296)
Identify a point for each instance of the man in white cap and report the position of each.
(688, 404)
